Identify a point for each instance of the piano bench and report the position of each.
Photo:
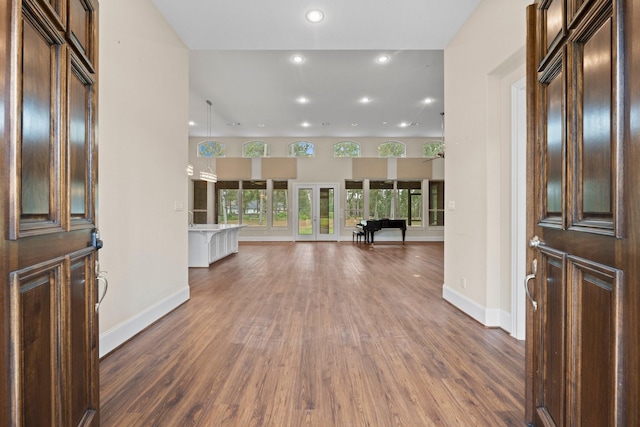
(357, 236)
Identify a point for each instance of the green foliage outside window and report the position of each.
(211, 149)
(380, 199)
(302, 149)
(228, 206)
(280, 204)
(256, 149)
(410, 203)
(354, 203)
(392, 149)
(433, 149)
(346, 149)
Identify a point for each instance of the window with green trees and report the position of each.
(228, 202)
(256, 149)
(211, 149)
(392, 149)
(346, 149)
(410, 202)
(354, 203)
(380, 199)
(436, 203)
(301, 149)
(280, 204)
(254, 203)
(433, 149)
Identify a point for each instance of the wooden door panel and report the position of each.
(551, 346)
(594, 323)
(38, 207)
(83, 360)
(553, 29)
(552, 163)
(594, 184)
(36, 295)
(80, 89)
(82, 30)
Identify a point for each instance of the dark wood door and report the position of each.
(48, 159)
(584, 201)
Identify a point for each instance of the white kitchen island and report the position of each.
(211, 242)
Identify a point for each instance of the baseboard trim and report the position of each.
(487, 317)
(118, 335)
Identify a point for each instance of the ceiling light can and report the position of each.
(314, 16)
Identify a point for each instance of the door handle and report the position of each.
(535, 242)
(534, 271)
(101, 278)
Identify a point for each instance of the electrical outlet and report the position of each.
(463, 283)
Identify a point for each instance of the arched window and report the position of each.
(433, 149)
(346, 149)
(211, 149)
(302, 149)
(392, 149)
(256, 149)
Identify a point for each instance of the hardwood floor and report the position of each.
(317, 334)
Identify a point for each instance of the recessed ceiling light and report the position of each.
(383, 59)
(192, 123)
(427, 101)
(404, 124)
(260, 125)
(365, 100)
(233, 124)
(305, 124)
(303, 100)
(315, 16)
(297, 59)
(354, 124)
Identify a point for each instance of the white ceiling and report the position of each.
(240, 53)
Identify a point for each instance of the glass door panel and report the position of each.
(305, 211)
(316, 212)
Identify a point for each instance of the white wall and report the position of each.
(143, 115)
(481, 63)
(325, 168)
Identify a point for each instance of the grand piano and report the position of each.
(370, 226)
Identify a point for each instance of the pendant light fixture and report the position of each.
(208, 175)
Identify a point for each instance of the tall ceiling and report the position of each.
(240, 60)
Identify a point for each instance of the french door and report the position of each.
(316, 207)
(583, 330)
(48, 241)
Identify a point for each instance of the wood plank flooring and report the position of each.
(317, 334)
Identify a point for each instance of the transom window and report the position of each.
(392, 149)
(211, 149)
(346, 149)
(433, 149)
(256, 149)
(302, 149)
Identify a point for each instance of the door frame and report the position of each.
(518, 207)
(316, 236)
